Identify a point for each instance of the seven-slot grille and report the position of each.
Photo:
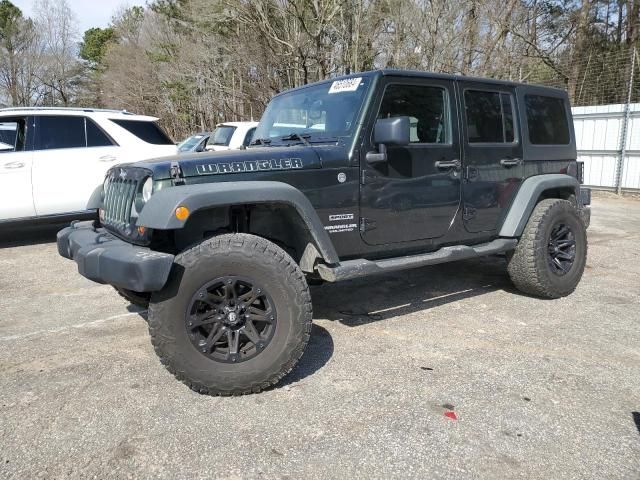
(118, 201)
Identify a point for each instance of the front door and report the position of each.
(415, 193)
(492, 153)
(16, 199)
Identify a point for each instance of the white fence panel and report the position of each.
(598, 130)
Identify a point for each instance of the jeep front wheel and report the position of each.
(234, 317)
(552, 252)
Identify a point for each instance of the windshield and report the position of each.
(222, 135)
(190, 143)
(323, 111)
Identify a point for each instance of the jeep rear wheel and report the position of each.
(234, 317)
(551, 254)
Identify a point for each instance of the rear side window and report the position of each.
(149, 132)
(546, 120)
(95, 136)
(489, 117)
(249, 136)
(60, 132)
(222, 135)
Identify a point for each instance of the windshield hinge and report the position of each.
(468, 213)
(366, 224)
(364, 175)
(176, 174)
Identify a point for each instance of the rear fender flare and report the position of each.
(527, 198)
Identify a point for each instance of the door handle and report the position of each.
(107, 158)
(14, 165)
(510, 162)
(444, 164)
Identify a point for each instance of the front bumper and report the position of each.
(103, 258)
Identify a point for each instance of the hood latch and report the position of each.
(176, 174)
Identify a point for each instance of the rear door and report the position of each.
(492, 158)
(72, 155)
(415, 194)
(16, 199)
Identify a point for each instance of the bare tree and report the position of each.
(57, 30)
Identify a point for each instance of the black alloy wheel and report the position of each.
(231, 319)
(561, 249)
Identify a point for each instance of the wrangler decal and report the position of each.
(250, 166)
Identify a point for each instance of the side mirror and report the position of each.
(392, 131)
(389, 131)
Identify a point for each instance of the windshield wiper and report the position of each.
(261, 141)
(297, 136)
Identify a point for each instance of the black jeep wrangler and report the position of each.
(364, 174)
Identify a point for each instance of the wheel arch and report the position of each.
(265, 201)
(531, 192)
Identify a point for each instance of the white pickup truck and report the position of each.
(226, 136)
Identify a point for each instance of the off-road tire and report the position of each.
(529, 268)
(138, 299)
(239, 255)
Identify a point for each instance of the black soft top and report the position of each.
(422, 74)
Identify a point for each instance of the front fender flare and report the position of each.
(527, 198)
(159, 211)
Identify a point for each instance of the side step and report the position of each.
(362, 267)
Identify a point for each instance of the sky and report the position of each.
(89, 13)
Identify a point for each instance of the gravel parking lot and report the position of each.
(540, 389)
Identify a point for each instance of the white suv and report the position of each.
(51, 160)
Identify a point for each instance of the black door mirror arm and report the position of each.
(377, 157)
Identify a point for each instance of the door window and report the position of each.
(12, 134)
(546, 120)
(489, 117)
(427, 108)
(69, 132)
(60, 132)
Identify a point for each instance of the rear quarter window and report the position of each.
(546, 120)
(146, 131)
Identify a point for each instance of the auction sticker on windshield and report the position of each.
(346, 85)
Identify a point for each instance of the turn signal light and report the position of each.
(141, 230)
(182, 213)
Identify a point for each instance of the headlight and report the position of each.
(147, 189)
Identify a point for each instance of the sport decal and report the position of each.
(344, 216)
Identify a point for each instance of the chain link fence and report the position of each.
(605, 94)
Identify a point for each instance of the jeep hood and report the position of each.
(232, 162)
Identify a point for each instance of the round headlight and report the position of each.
(147, 189)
